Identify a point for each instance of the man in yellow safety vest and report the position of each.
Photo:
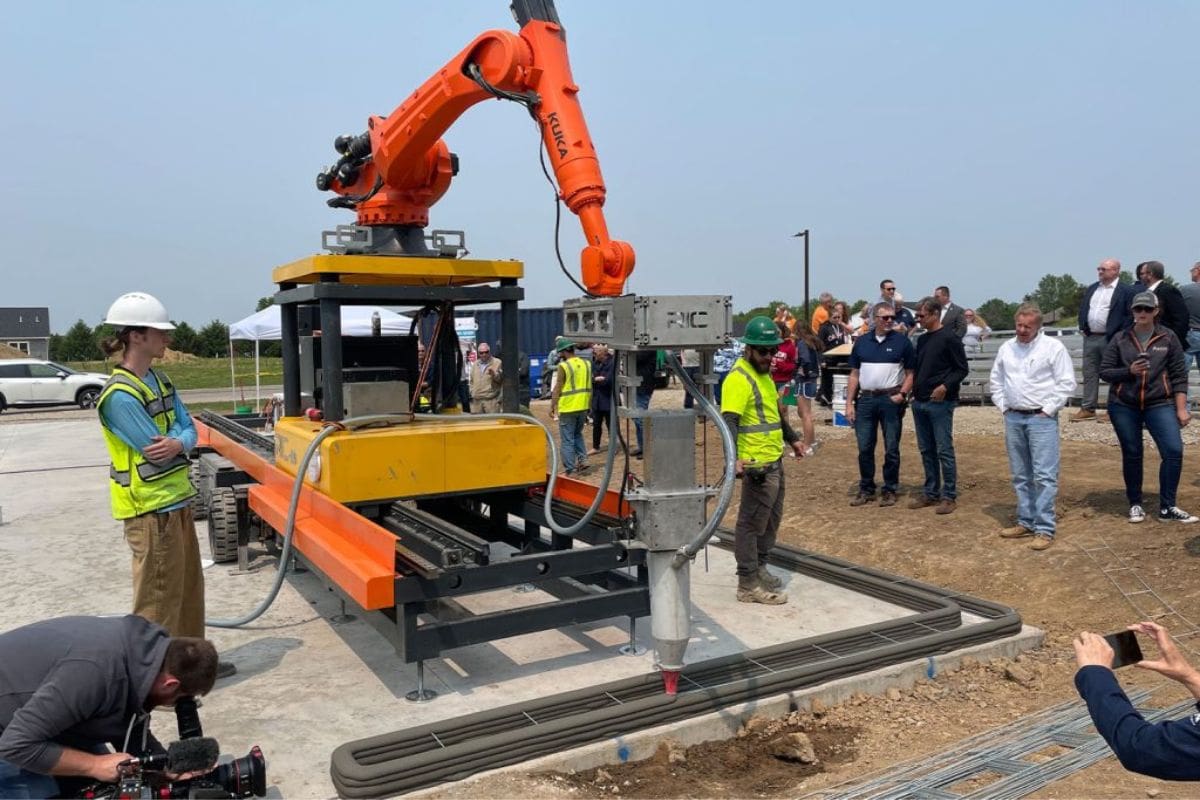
(750, 407)
(149, 433)
(569, 403)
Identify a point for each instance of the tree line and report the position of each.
(81, 342)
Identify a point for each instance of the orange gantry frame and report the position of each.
(411, 167)
(353, 552)
(349, 549)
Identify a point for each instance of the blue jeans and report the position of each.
(1191, 353)
(934, 423)
(570, 431)
(19, 783)
(870, 415)
(641, 400)
(1164, 429)
(721, 376)
(1032, 442)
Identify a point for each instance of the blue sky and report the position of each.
(172, 147)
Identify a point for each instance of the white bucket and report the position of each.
(839, 400)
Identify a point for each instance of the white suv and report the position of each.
(30, 382)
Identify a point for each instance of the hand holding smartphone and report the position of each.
(1126, 649)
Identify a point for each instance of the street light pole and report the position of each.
(804, 235)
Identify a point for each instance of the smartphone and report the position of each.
(1125, 647)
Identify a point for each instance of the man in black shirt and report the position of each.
(941, 368)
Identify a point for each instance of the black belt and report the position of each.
(1029, 412)
(879, 392)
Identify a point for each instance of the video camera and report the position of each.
(147, 776)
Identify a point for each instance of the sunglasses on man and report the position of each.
(765, 351)
(1143, 310)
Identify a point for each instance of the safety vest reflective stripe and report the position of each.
(137, 485)
(763, 426)
(120, 476)
(159, 405)
(760, 430)
(576, 391)
(148, 470)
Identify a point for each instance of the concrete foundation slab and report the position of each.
(305, 684)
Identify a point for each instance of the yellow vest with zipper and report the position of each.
(753, 397)
(137, 485)
(576, 394)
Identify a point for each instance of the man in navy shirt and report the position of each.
(1169, 749)
(881, 376)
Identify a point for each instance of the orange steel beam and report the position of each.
(582, 494)
(355, 553)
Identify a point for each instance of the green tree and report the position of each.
(767, 310)
(1057, 291)
(212, 341)
(1125, 276)
(264, 302)
(56, 348)
(998, 313)
(79, 343)
(184, 338)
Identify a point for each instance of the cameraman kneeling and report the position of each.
(71, 686)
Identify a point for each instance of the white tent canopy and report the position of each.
(265, 326)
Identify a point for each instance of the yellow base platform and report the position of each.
(397, 270)
(416, 459)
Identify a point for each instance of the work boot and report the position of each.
(749, 590)
(924, 501)
(772, 583)
(947, 506)
(1041, 541)
(887, 499)
(862, 498)
(1015, 532)
(1083, 414)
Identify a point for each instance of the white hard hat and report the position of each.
(138, 310)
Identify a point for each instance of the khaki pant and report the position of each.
(487, 405)
(168, 584)
(758, 519)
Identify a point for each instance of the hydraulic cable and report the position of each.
(728, 449)
(547, 507)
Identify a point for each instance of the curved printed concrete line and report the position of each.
(454, 749)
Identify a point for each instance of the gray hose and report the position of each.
(288, 529)
(689, 550)
(610, 458)
(355, 423)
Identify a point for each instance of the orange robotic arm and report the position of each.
(394, 172)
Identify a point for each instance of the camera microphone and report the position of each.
(192, 755)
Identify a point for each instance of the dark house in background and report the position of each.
(27, 330)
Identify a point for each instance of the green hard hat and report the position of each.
(563, 343)
(762, 331)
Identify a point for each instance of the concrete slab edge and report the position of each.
(725, 723)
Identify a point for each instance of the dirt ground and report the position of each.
(1062, 591)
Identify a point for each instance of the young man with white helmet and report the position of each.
(149, 433)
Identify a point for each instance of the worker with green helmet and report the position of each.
(750, 407)
(569, 403)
